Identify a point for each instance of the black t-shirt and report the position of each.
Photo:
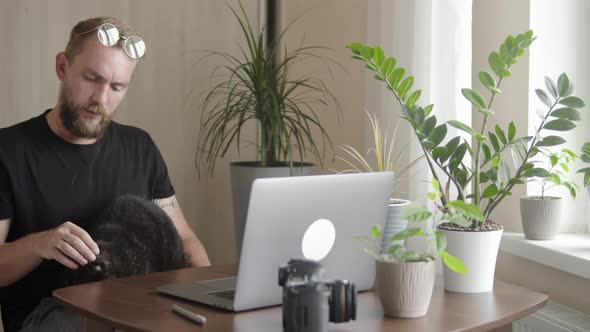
(45, 181)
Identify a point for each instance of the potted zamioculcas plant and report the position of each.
(381, 158)
(404, 277)
(486, 179)
(541, 215)
(259, 87)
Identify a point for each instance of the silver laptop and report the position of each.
(280, 213)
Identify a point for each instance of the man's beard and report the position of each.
(71, 118)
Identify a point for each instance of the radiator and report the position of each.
(554, 317)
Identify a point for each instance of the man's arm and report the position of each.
(68, 244)
(191, 245)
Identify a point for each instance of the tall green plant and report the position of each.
(488, 167)
(260, 87)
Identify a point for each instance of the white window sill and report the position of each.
(568, 252)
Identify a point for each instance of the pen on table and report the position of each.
(189, 314)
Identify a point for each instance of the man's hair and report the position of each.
(135, 237)
(84, 30)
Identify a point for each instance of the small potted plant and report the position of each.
(487, 179)
(541, 215)
(381, 158)
(586, 170)
(258, 86)
(405, 278)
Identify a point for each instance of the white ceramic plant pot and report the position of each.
(540, 218)
(394, 223)
(478, 250)
(405, 289)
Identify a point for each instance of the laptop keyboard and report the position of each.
(226, 294)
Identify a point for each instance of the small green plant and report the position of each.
(457, 211)
(556, 172)
(586, 158)
(487, 179)
(380, 157)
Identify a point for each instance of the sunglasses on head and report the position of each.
(108, 35)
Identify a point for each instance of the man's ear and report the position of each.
(61, 65)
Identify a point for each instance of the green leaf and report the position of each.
(486, 111)
(458, 219)
(396, 251)
(453, 263)
(469, 210)
(441, 241)
(405, 86)
(438, 152)
(451, 147)
(554, 160)
(414, 231)
(551, 87)
(413, 98)
(536, 172)
(494, 140)
(435, 184)
(458, 155)
(461, 126)
(543, 97)
(551, 141)
(572, 101)
(501, 135)
(498, 65)
(438, 134)
(505, 53)
(378, 55)
(355, 47)
(396, 76)
(586, 149)
(486, 152)
(480, 138)
(428, 125)
(511, 131)
(387, 66)
(563, 84)
(490, 191)
(366, 52)
(559, 125)
(416, 212)
(475, 98)
(567, 113)
(488, 81)
(428, 109)
(376, 231)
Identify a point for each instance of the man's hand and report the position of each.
(68, 244)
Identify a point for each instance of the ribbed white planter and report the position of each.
(394, 223)
(540, 218)
(405, 289)
(478, 250)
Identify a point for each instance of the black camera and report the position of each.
(309, 302)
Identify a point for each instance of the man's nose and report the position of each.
(101, 94)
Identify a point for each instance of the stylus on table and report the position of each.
(201, 320)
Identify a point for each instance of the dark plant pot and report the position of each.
(243, 174)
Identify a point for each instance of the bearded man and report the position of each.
(66, 165)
